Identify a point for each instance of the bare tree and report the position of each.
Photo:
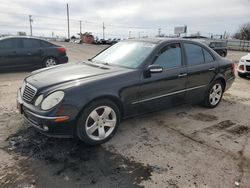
(244, 32)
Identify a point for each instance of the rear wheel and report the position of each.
(50, 61)
(98, 122)
(214, 94)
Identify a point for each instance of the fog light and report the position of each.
(241, 67)
(45, 127)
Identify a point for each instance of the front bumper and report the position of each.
(46, 124)
(244, 68)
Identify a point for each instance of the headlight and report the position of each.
(38, 100)
(52, 100)
(242, 60)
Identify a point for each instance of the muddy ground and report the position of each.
(186, 146)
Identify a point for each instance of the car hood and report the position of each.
(247, 57)
(68, 72)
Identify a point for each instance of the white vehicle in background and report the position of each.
(244, 66)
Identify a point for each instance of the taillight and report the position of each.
(61, 49)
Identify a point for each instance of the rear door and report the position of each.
(168, 87)
(33, 52)
(201, 69)
(10, 53)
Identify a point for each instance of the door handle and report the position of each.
(182, 75)
(28, 53)
(212, 69)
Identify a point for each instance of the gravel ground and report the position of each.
(186, 146)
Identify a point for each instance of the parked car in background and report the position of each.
(29, 53)
(219, 47)
(89, 99)
(243, 68)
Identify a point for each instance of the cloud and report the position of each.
(120, 17)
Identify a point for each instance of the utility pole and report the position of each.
(129, 34)
(159, 32)
(103, 32)
(68, 20)
(80, 27)
(30, 19)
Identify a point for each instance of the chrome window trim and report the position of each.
(168, 94)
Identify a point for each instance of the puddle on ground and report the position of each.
(239, 130)
(203, 117)
(224, 124)
(81, 164)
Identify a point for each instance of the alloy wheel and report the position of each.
(215, 94)
(100, 123)
(50, 62)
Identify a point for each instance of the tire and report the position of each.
(50, 61)
(92, 122)
(241, 75)
(214, 94)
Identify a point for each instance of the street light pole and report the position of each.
(80, 27)
(30, 19)
(68, 20)
(103, 31)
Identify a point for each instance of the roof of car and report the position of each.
(26, 37)
(159, 40)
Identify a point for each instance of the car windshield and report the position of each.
(128, 54)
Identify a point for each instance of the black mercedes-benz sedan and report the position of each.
(89, 99)
(18, 53)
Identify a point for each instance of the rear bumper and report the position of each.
(63, 59)
(229, 82)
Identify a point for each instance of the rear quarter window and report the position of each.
(208, 57)
(45, 44)
(194, 54)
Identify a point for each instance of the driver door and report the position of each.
(167, 88)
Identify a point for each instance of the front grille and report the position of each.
(247, 60)
(28, 92)
(248, 68)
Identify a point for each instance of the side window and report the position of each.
(6, 44)
(10, 44)
(31, 43)
(36, 43)
(170, 56)
(194, 54)
(208, 56)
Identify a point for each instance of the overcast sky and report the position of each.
(142, 17)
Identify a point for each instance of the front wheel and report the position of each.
(214, 94)
(98, 122)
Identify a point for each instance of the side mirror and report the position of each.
(152, 69)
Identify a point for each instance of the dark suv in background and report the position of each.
(219, 47)
(29, 53)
